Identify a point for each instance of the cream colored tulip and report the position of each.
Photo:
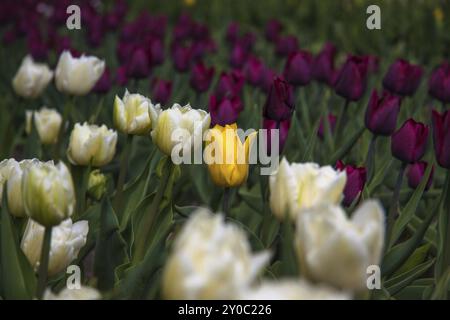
(31, 79)
(299, 186)
(83, 293)
(67, 240)
(91, 144)
(210, 259)
(176, 122)
(77, 76)
(132, 114)
(334, 249)
(293, 289)
(48, 193)
(47, 123)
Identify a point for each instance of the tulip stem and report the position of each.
(370, 159)
(122, 173)
(66, 117)
(443, 261)
(81, 198)
(226, 201)
(43, 264)
(393, 209)
(341, 120)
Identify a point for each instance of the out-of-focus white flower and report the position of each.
(334, 249)
(299, 186)
(132, 114)
(211, 259)
(292, 289)
(47, 123)
(32, 78)
(77, 76)
(83, 293)
(179, 126)
(91, 144)
(67, 240)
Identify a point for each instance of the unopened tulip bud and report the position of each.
(441, 137)
(91, 145)
(31, 79)
(279, 105)
(352, 79)
(439, 83)
(409, 143)
(201, 77)
(138, 64)
(285, 45)
(96, 184)
(253, 70)
(382, 112)
(161, 91)
(323, 66)
(297, 70)
(356, 179)
(415, 173)
(403, 78)
(283, 132)
(224, 111)
(273, 30)
(104, 83)
(229, 84)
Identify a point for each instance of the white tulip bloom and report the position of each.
(47, 123)
(32, 78)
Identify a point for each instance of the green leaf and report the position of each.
(252, 198)
(111, 249)
(441, 291)
(407, 213)
(17, 277)
(288, 256)
(308, 155)
(347, 146)
(379, 176)
(415, 259)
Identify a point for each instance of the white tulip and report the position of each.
(91, 144)
(211, 259)
(67, 240)
(334, 249)
(299, 186)
(179, 126)
(293, 289)
(32, 78)
(83, 293)
(47, 123)
(132, 114)
(77, 76)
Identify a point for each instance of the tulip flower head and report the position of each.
(229, 84)
(409, 143)
(356, 179)
(104, 83)
(297, 70)
(322, 68)
(273, 30)
(253, 70)
(228, 161)
(224, 111)
(47, 123)
(441, 137)
(279, 105)
(415, 173)
(201, 77)
(382, 112)
(283, 132)
(403, 78)
(352, 79)
(77, 76)
(91, 145)
(161, 90)
(31, 79)
(439, 83)
(285, 45)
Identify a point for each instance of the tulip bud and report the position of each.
(228, 165)
(232, 33)
(253, 70)
(409, 143)
(210, 259)
(225, 111)
(229, 84)
(82, 293)
(331, 118)
(323, 66)
(96, 184)
(238, 56)
(104, 83)
(297, 70)
(356, 178)
(201, 77)
(47, 123)
(299, 186)
(273, 30)
(132, 113)
(161, 90)
(415, 173)
(439, 83)
(292, 289)
(382, 112)
(77, 76)
(179, 121)
(67, 240)
(31, 79)
(181, 56)
(48, 193)
(402, 78)
(351, 80)
(91, 145)
(285, 45)
(279, 105)
(326, 237)
(283, 132)
(11, 173)
(441, 137)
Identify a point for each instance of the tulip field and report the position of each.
(224, 150)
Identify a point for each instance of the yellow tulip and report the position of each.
(228, 162)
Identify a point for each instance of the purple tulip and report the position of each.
(331, 123)
(415, 173)
(161, 90)
(439, 83)
(283, 132)
(232, 34)
(225, 111)
(181, 56)
(373, 63)
(352, 78)
(121, 76)
(409, 143)
(201, 77)
(253, 70)
(229, 84)
(104, 83)
(323, 66)
(238, 56)
(156, 50)
(441, 137)
(273, 30)
(402, 78)
(356, 179)
(297, 70)
(382, 112)
(267, 79)
(37, 47)
(286, 45)
(138, 65)
(279, 105)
